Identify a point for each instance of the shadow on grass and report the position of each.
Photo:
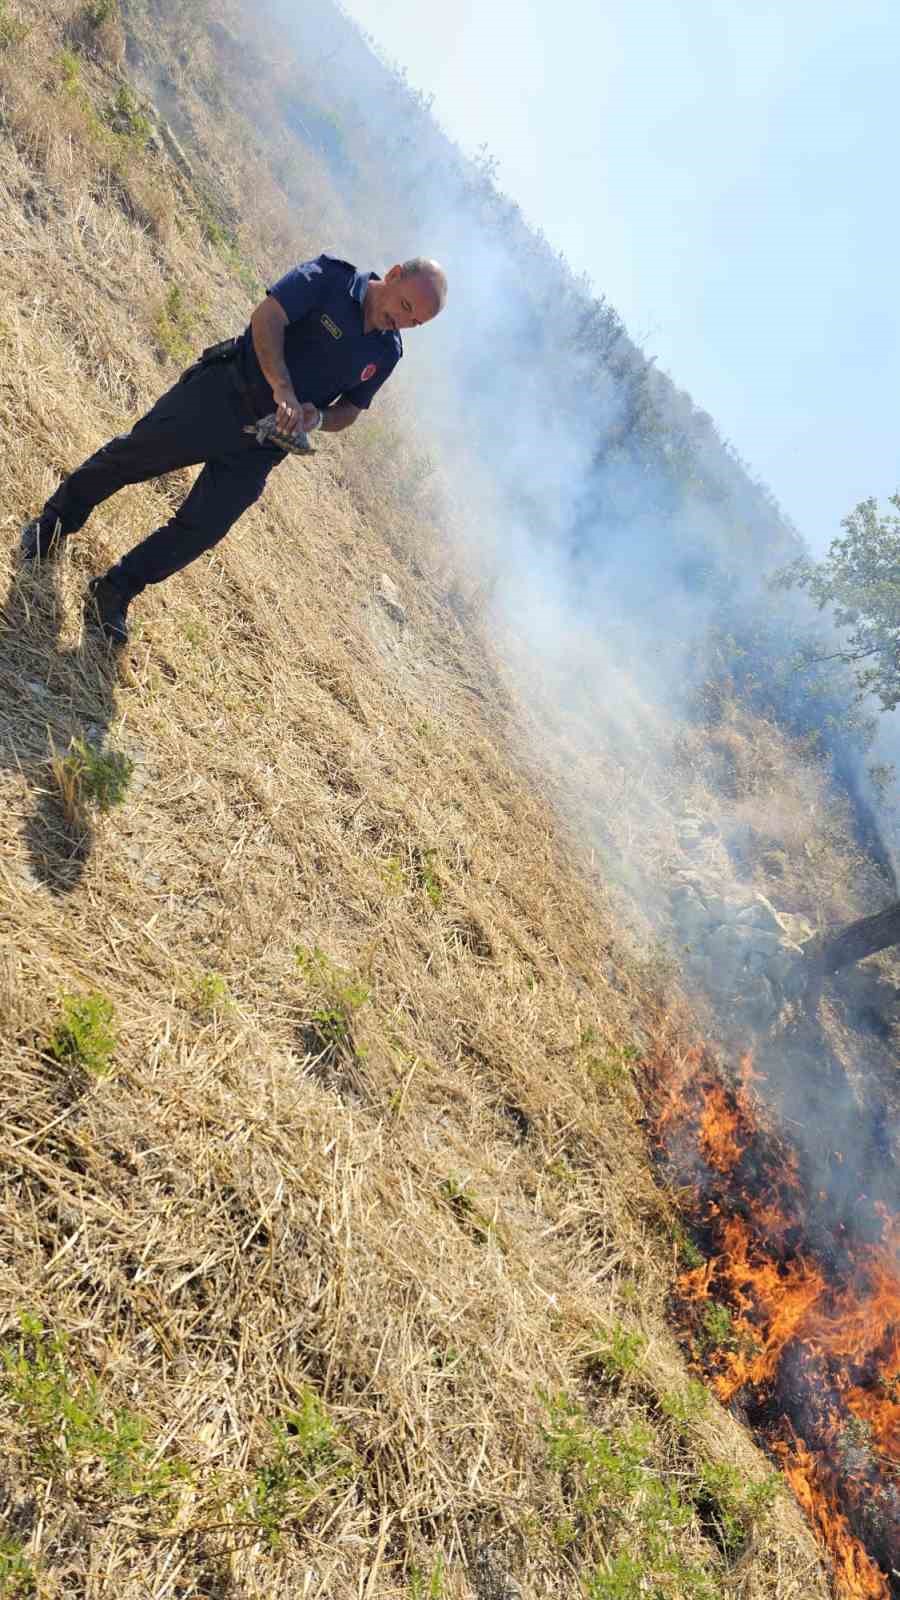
(50, 694)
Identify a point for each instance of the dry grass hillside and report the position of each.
(332, 1264)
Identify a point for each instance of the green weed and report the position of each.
(67, 1419)
(717, 1331)
(619, 1352)
(96, 12)
(445, 1360)
(83, 1036)
(609, 1467)
(690, 1255)
(392, 873)
(609, 1484)
(210, 992)
(562, 1171)
(428, 876)
(126, 119)
(624, 1580)
(17, 1576)
(338, 996)
(70, 71)
(307, 1454)
(733, 1506)
(11, 32)
(684, 1406)
(466, 1210)
(196, 633)
(175, 325)
(225, 241)
(427, 1586)
(609, 1066)
(90, 779)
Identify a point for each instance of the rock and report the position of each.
(795, 978)
(389, 595)
(796, 927)
(690, 842)
(759, 914)
(760, 1002)
(721, 910)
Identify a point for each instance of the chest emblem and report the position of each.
(332, 327)
(368, 372)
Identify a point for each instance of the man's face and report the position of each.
(404, 302)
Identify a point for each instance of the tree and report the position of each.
(844, 947)
(860, 580)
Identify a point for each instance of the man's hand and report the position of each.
(294, 416)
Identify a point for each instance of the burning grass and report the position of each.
(795, 1311)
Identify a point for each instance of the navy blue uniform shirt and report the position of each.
(328, 353)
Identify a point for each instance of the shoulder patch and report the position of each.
(332, 327)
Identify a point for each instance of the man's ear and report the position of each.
(394, 273)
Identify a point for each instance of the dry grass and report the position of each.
(359, 1159)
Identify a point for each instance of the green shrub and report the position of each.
(83, 1037)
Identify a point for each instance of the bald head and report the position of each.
(432, 275)
(407, 296)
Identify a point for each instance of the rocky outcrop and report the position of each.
(743, 952)
(752, 958)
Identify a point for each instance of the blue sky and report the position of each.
(725, 171)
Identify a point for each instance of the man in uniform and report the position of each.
(324, 332)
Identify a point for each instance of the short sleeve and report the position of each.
(303, 288)
(376, 373)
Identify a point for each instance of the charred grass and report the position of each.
(345, 1276)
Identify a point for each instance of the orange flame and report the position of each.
(856, 1574)
(842, 1337)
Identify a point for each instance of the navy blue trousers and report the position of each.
(201, 419)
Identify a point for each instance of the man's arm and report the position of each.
(267, 324)
(339, 416)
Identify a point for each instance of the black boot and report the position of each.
(106, 608)
(41, 539)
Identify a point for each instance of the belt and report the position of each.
(228, 351)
